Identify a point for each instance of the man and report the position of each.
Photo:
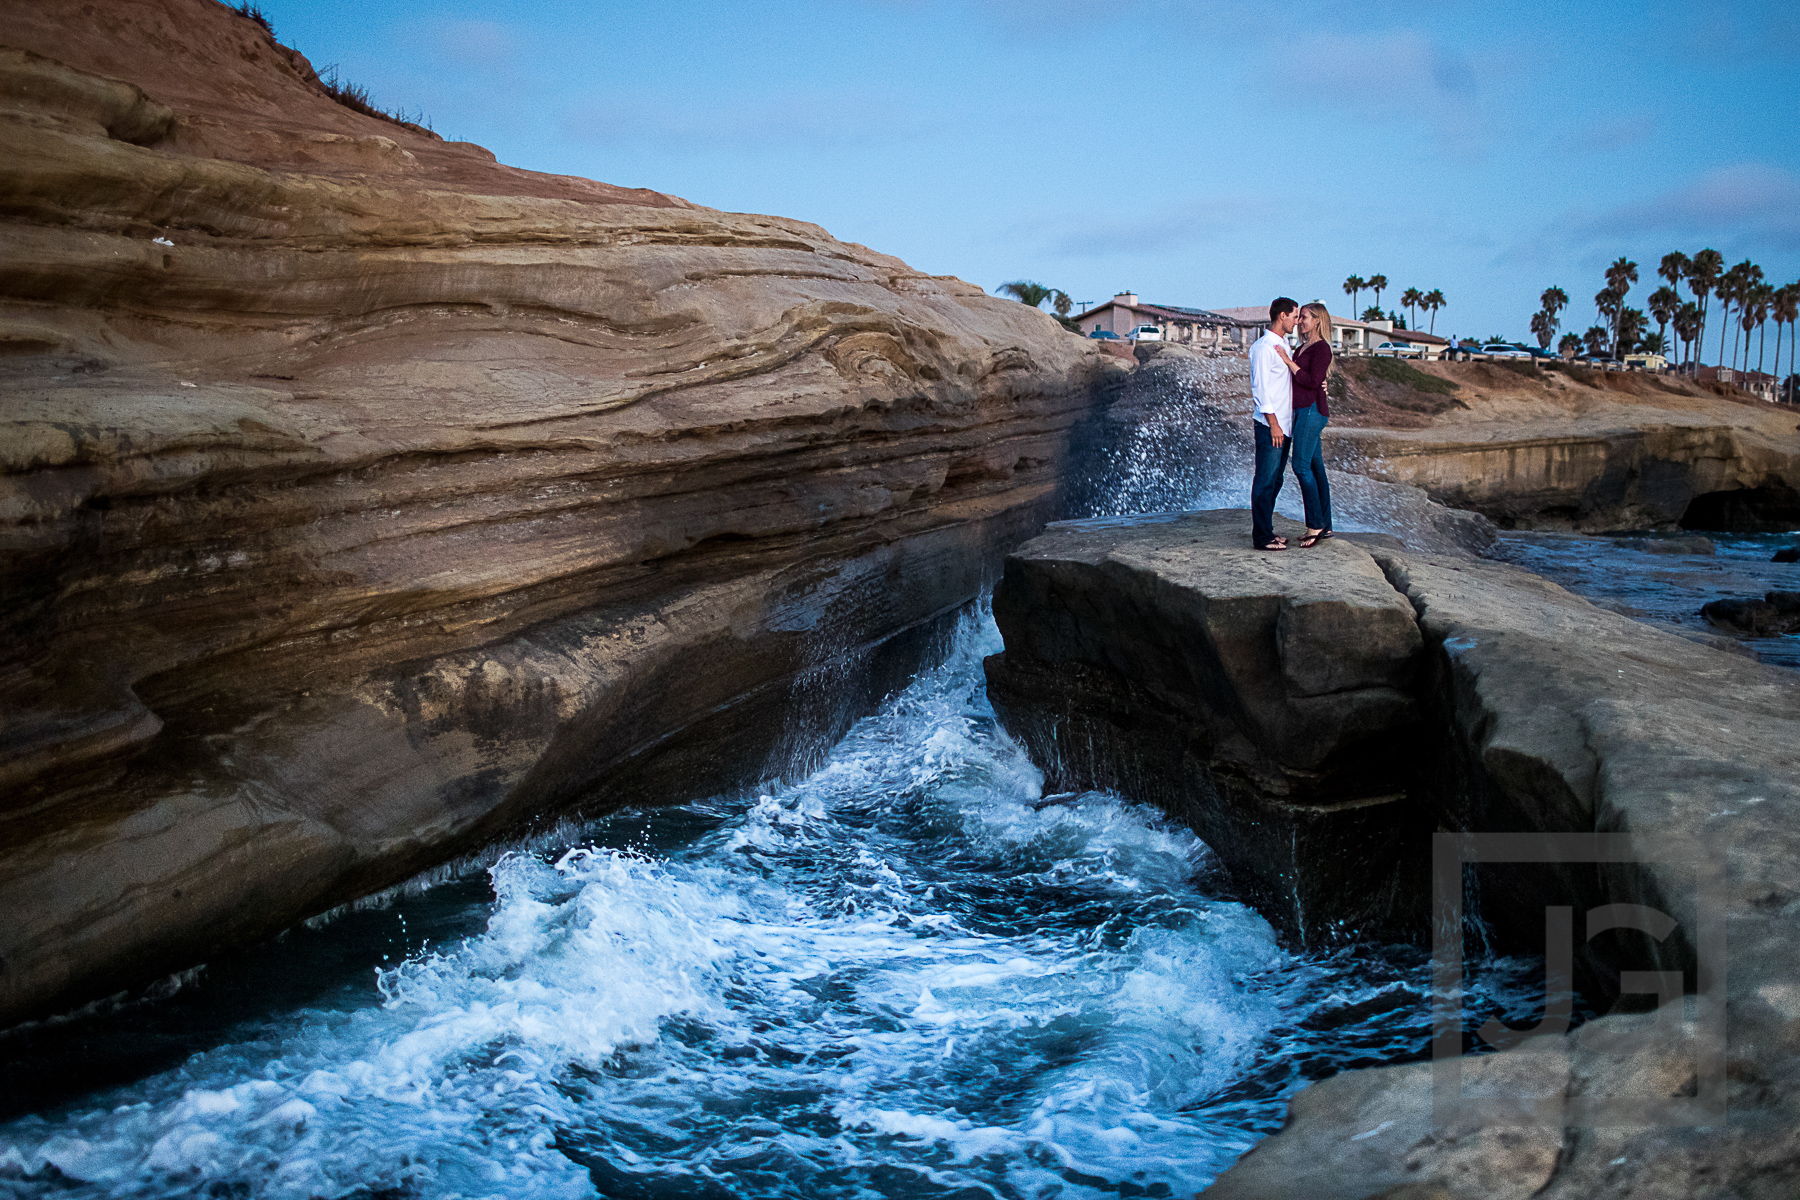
(1272, 387)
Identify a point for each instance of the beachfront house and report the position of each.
(1348, 334)
(1198, 328)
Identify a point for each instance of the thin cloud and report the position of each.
(1747, 208)
(1753, 201)
(1392, 71)
(1106, 236)
(1609, 135)
(475, 43)
(797, 121)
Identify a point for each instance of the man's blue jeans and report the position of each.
(1309, 466)
(1270, 463)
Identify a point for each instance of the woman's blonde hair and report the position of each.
(1321, 318)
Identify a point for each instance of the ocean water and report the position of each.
(907, 973)
(1623, 574)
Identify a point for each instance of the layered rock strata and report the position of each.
(1570, 449)
(1541, 713)
(1266, 699)
(362, 500)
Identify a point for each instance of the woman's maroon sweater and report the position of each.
(1314, 361)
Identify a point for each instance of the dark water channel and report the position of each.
(906, 974)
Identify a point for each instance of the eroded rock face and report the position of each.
(1267, 699)
(362, 499)
(1709, 468)
(1534, 711)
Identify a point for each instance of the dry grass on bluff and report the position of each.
(1388, 393)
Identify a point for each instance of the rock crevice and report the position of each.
(1535, 714)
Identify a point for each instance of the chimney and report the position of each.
(1128, 299)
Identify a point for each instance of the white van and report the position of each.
(1146, 333)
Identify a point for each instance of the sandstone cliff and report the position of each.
(1563, 449)
(1572, 449)
(1472, 697)
(362, 499)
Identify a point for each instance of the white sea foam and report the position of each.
(899, 969)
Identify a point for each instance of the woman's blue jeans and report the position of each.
(1309, 466)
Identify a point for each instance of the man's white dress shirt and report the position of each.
(1271, 385)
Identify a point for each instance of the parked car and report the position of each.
(1462, 351)
(1399, 350)
(1504, 350)
(1146, 333)
(1104, 335)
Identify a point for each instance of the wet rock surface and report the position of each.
(363, 499)
(1537, 713)
(1265, 698)
(1776, 612)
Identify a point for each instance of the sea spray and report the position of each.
(901, 975)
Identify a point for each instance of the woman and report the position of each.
(1311, 367)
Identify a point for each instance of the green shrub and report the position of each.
(1395, 371)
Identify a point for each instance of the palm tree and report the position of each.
(1059, 300)
(1652, 343)
(1554, 300)
(1748, 285)
(1409, 300)
(1619, 278)
(1376, 283)
(1734, 288)
(1703, 273)
(1793, 291)
(1352, 287)
(1596, 338)
(1761, 298)
(1784, 308)
(1570, 345)
(1606, 302)
(1026, 292)
(1675, 267)
(1688, 326)
(1726, 290)
(1628, 330)
(1663, 303)
(1544, 326)
(1432, 301)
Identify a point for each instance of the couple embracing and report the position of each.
(1290, 416)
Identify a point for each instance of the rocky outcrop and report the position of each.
(363, 499)
(1609, 479)
(1560, 449)
(1775, 613)
(1567, 456)
(1540, 713)
(1267, 703)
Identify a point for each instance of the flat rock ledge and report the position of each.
(1318, 730)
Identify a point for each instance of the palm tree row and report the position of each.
(1622, 329)
(1412, 300)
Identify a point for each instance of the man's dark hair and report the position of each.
(1281, 307)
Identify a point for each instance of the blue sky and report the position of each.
(1200, 153)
